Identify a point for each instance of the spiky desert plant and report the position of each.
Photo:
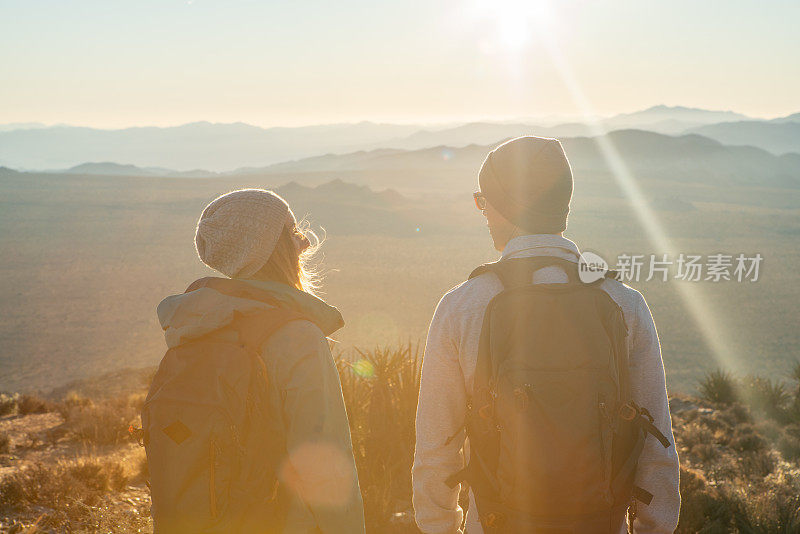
(719, 386)
(794, 409)
(380, 389)
(769, 397)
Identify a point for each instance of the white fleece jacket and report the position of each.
(447, 375)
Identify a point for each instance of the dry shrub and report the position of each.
(143, 472)
(63, 487)
(72, 497)
(771, 430)
(733, 414)
(28, 404)
(773, 506)
(5, 443)
(789, 447)
(758, 464)
(745, 439)
(703, 509)
(103, 423)
(8, 404)
(71, 401)
(696, 433)
(705, 452)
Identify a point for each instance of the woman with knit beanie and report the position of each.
(283, 462)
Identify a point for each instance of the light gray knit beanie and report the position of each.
(238, 231)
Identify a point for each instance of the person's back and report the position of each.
(245, 424)
(450, 384)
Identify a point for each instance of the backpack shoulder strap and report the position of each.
(485, 268)
(517, 272)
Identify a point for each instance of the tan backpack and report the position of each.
(211, 447)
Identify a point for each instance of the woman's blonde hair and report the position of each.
(287, 266)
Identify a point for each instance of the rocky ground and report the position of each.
(67, 463)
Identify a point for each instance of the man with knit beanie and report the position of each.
(525, 191)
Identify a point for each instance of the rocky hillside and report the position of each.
(67, 463)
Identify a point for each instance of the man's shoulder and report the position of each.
(629, 299)
(469, 295)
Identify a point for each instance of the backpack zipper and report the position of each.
(212, 482)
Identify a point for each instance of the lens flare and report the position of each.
(320, 474)
(364, 368)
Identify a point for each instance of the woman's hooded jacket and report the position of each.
(314, 458)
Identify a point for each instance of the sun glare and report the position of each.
(514, 24)
(694, 301)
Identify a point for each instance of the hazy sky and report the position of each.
(108, 63)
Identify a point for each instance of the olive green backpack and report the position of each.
(553, 431)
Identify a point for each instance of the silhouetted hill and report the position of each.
(107, 168)
(20, 126)
(777, 137)
(671, 117)
(795, 117)
(223, 147)
(218, 147)
(661, 119)
(685, 158)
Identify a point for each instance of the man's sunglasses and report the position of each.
(480, 200)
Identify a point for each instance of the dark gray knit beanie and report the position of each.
(529, 181)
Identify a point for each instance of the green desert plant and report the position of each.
(380, 389)
(719, 387)
(765, 396)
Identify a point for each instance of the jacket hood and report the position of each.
(211, 303)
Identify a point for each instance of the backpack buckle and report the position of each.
(628, 412)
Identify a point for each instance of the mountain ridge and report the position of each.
(220, 147)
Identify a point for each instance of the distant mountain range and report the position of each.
(779, 136)
(223, 147)
(685, 158)
(218, 147)
(445, 170)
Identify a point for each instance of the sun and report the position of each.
(515, 24)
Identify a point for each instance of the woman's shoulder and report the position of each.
(296, 336)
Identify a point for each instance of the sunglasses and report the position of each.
(480, 200)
